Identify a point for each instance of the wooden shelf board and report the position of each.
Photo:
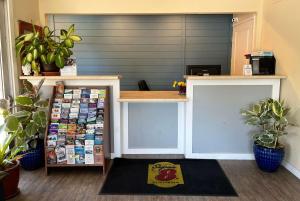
(151, 96)
(81, 77)
(74, 165)
(233, 77)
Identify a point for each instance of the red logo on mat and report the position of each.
(166, 175)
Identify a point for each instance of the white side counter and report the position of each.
(214, 126)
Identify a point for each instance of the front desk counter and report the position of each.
(152, 122)
(206, 123)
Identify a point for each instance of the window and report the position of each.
(1, 51)
(4, 69)
(3, 58)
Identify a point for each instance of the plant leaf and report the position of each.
(29, 57)
(4, 104)
(24, 101)
(76, 38)
(31, 129)
(46, 31)
(44, 59)
(28, 37)
(12, 124)
(277, 109)
(59, 61)
(21, 114)
(69, 43)
(41, 104)
(71, 30)
(41, 49)
(35, 67)
(24, 61)
(40, 119)
(19, 46)
(28, 86)
(65, 51)
(50, 57)
(38, 87)
(63, 32)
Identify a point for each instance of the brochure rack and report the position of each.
(99, 150)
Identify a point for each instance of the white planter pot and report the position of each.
(69, 71)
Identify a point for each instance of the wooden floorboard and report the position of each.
(83, 184)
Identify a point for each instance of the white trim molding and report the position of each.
(291, 168)
(222, 156)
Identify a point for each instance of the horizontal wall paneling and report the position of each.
(155, 48)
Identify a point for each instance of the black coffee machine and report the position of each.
(262, 63)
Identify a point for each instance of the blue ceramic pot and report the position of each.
(268, 159)
(33, 158)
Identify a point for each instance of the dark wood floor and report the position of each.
(84, 184)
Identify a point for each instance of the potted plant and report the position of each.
(181, 86)
(269, 116)
(33, 109)
(32, 117)
(12, 143)
(45, 49)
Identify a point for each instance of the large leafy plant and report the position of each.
(270, 117)
(29, 46)
(9, 146)
(46, 47)
(30, 116)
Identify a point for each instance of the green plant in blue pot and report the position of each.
(31, 112)
(269, 116)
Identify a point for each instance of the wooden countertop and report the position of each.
(151, 96)
(80, 77)
(233, 77)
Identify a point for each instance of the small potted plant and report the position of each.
(269, 116)
(12, 144)
(181, 86)
(45, 51)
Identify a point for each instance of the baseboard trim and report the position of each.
(113, 155)
(219, 156)
(291, 168)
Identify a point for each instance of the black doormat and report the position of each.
(167, 177)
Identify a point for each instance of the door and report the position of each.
(242, 41)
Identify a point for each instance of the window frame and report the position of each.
(9, 73)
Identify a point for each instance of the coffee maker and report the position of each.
(263, 63)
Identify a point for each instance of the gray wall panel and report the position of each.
(208, 40)
(116, 18)
(152, 125)
(155, 47)
(217, 124)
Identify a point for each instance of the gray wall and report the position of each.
(208, 40)
(155, 48)
(217, 124)
(152, 125)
